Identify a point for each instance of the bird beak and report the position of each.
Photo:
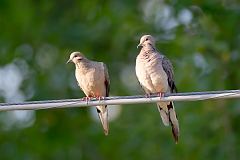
(69, 61)
(139, 45)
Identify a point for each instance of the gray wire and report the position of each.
(67, 103)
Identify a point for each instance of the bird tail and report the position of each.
(103, 116)
(163, 110)
(169, 116)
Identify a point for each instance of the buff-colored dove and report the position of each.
(93, 79)
(155, 74)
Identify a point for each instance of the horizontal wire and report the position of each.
(118, 100)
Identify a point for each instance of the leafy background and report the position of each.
(201, 38)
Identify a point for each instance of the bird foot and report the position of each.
(160, 94)
(86, 99)
(148, 95)
(100, 98)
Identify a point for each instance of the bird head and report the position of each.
(146, 39)
(76, 57)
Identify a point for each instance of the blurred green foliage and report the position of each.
(201, 37)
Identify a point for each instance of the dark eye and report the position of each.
(75, 56)
(146, 39)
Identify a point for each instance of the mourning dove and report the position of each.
(93, 79)
(155, 74)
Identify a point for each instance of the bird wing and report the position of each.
(168, 68)
(107, 80)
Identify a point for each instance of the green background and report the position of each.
(200, 37)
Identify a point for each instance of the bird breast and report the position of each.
(151, 74)
(91, 81)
